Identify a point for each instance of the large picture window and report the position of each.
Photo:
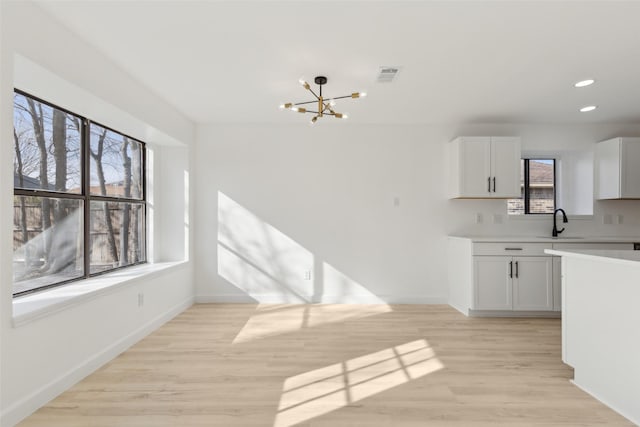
(79, 197)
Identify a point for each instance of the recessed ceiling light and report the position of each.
(584, 83)
(588, 108)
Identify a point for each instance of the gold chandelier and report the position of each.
(324, 105)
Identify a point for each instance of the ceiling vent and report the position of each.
(387, 74)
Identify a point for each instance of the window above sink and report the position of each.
(556, 179)
(537, 188)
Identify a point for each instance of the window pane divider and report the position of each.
(45, 193)
(86, 185)
(114, 199)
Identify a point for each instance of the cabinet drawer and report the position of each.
(513, 249)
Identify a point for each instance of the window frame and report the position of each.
(87, 198)
(527, 190)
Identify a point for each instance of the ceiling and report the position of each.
(462, 61)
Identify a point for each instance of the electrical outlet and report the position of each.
(396, 201)
(607, 219)
(140, 299)
(479, 218)
(619, 219)
(307, 275)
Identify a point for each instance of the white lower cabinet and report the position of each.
(513, 283)
(533, 284)
(510, 278)
(492, 283)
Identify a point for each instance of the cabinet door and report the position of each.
(630, 172)
(505, 166)
(492, 283)
(475, 170)
(607, 169)
(533, 283)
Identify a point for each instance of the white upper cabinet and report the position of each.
(617, 169)
(484, 167)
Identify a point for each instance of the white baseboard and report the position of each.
(28, 405)
(326, 299)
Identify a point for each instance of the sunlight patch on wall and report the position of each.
(252, 280)
(271, 267)
(332, 387)
(338, 287)
(275, 319)
(258, 258)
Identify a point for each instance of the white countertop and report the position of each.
(549, 239)
(611, 256)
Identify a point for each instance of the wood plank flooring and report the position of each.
(333, 365)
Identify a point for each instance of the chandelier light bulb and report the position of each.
(304, 84)
(363, 94)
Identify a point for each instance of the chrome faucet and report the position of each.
(555, 231)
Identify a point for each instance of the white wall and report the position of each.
(275, 201)
(43, 357)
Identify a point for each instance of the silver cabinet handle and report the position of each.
(494, 184)
(512, 249)
(516, 269)
(511, 269)
(489, 184)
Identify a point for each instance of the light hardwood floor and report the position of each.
(333, 365)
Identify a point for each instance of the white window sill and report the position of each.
(35, 306)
